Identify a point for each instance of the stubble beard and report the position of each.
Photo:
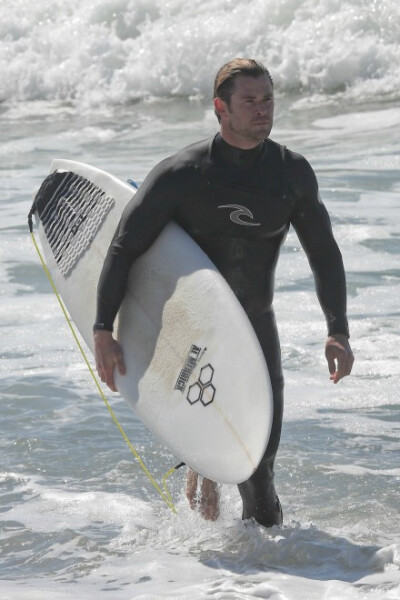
(249, 134)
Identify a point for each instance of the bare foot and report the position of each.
(208, 499)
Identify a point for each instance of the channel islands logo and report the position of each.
(203, 390)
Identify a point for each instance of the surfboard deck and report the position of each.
(196, 375)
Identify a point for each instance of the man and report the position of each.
(237, 195)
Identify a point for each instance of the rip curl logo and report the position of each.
(239, 213)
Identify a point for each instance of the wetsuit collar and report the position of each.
(238, 156)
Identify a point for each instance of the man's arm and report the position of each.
(313, 227)
(142, 221)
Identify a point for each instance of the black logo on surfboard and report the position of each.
(203, 390)
(190, 363)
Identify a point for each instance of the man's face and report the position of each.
(248, 117)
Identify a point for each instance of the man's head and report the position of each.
(244, 102)
(225, 79)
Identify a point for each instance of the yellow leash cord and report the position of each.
(165, 495)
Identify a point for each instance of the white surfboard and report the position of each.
(196, 375)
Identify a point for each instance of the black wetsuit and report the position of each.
(238, 206)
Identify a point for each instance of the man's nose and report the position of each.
(261, 108)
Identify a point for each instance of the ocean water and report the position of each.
(121, 84)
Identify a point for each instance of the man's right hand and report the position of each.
(108, 354)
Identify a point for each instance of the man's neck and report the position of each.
(244, 157)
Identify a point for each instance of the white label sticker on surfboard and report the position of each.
(196, 375)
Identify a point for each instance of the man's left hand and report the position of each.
(339, 356)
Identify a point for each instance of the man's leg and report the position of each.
(260, 500)
(192, 480)
(207, 499)
(259, 497)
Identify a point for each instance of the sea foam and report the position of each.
(113, 52)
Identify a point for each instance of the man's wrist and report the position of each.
(98, 326)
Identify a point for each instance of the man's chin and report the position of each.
(262, 132)
(259, 137)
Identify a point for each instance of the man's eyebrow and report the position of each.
(248, 96)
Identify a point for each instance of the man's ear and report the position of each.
(220, 107)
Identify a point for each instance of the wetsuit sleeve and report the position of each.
(142, 221)
(311, 221)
